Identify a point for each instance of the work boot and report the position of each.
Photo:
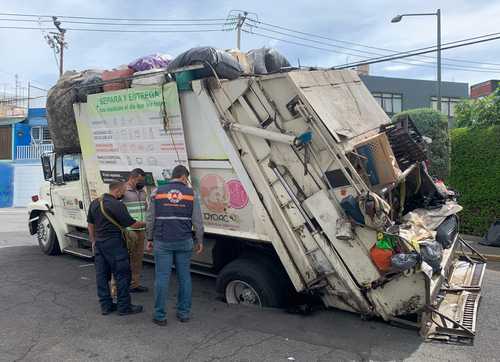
(161, 323)
(182, 319)
(133, 309)
(139, 289)
(109, 310)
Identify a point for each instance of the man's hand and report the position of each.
(198, 248)
(93, 248)
(149, 246)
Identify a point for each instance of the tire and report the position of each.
(47, 239)
(253, 281)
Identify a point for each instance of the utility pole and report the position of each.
(438, 14)
(239, 24)
(56, 42)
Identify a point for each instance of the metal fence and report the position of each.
(33, 152)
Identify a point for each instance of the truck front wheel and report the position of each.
(253, 282)
(47, 239)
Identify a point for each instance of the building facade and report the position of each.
(24, 137)
(484, 89)
(399, 94)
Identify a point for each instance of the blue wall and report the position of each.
(6, 184)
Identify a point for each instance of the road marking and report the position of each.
(85, 265)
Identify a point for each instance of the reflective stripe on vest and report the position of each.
(173, 218)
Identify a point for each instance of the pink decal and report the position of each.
(238, 198)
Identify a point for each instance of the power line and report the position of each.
(417, 53)
(118, 19)
(447, 65)
(121, 24)
(433, 47)
(120, 30)
(363, 62)
(359, 44)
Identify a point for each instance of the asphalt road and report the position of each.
(49, 312)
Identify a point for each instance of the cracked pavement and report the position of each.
(49, 312)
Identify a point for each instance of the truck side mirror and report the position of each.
(46, 167)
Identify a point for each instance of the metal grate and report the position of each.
(470, 311)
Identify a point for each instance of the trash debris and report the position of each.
(222, 62)
(404, 261)
(148, 62)
(266, 60)
(432, 253)
(492, 237)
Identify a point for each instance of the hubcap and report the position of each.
(240, 292)
(43, 231)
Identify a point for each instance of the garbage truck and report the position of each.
(306, 186)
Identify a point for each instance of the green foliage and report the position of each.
(482, 112)
(434, 125)
(475, 174)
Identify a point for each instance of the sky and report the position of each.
(26, 53)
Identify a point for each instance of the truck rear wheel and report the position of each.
(253, 282)
(47, 239)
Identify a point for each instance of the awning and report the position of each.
(7, 121)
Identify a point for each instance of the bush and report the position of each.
(475, 174)
(434, 125)
(482, 112)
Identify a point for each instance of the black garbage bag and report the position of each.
(432, 253)
(492, 238)
(267, 60)
(404, 261)
(60, 114)
(223, 63)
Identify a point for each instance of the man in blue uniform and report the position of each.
(111, 254)
(170, 220)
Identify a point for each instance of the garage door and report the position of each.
(5, 143)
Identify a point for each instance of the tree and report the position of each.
(481, 112)
(432, 124)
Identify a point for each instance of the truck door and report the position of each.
(67, 195)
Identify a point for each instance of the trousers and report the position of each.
(111, 258)
(165, 258)
(136, 256)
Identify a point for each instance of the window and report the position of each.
(447, 105)
(391, 103)
(67, 168)
(40, 134)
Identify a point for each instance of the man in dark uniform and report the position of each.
(111, 255)
(173, 214)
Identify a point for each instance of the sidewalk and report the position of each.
(491, 253)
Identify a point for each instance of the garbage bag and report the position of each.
(257, 58)
(91, 84)
(153, 61)
(223, 63)
(60, 115)
(267, 60)
(432, 253)
(404, 261)
(492, 238)
(275, 61)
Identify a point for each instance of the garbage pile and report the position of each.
(413, 214)
(74, 87)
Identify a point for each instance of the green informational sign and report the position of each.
(134, 128)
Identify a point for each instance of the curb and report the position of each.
(489, 257)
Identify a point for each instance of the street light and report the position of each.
(398, 18)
